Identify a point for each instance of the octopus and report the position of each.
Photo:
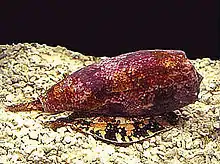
(122, 99)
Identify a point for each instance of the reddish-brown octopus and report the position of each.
(124, 98)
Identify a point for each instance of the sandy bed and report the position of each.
(27, 70)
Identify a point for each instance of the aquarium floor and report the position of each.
(28, 70)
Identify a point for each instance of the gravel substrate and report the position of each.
(28, 70)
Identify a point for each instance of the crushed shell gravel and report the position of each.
(28, 70)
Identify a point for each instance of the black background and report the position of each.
(106, 29)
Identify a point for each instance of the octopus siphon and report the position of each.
(123, 99)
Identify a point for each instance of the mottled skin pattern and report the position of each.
(119, 130)
(143, 83)
(140, 83)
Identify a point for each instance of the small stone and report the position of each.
(9, 145)
(161, 154)
(185, 113)
(28, 89)
(152, 141)
(217, 155)
(212, 85)
(78, 161)
(2, 151)
(64, 157)
(18, 91)
(10, 97)
(54, 159)
(179, 143)
(20, 69)
(139, 147)
(11, 89)
(37, 155)
(35, 59)
(48, 148)
(175, 160)
(188, 144)
(214, 160)
(15, 79)
(90, 155)
(46, 139)
(216, 125)
(146, 145)
(29, 122)
(67, 139)
(18, 121)
(15, 157)
(20, 84)
(206, 98)
(9, 81)
(215, 99)
(109, 149)
(197, 143)
(58, 138)
(33, 78)
(59, 146)
(34, 135)
(147, 154)
(27, 141)
(17, 141)
(34, 96)
(4, 159)
(8, 131)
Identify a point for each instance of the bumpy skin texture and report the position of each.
(142, 83)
